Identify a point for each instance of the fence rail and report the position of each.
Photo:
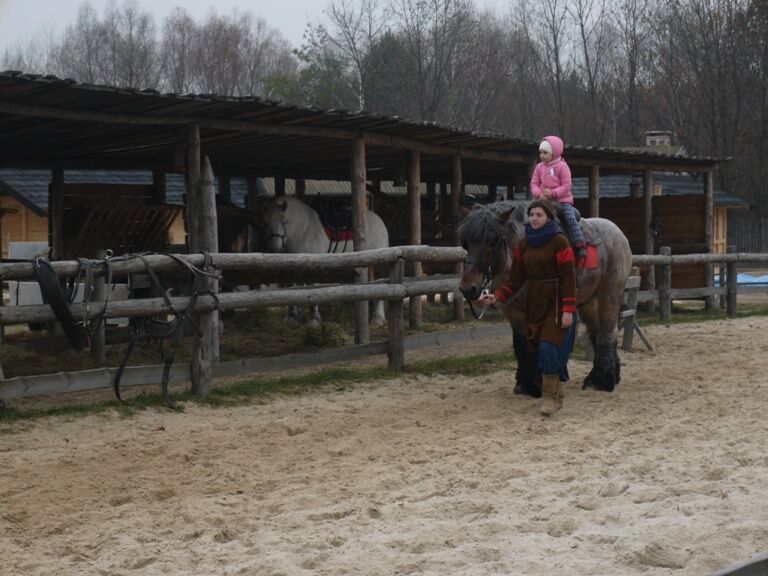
(665, 294)
(395, 290)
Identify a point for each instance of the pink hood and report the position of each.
(557, 146)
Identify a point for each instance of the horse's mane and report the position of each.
(482, 224)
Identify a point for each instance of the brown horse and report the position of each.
(490, 235)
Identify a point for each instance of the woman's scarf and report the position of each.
(543, 235)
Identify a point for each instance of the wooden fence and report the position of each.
(395, 291)
(665, 294)
(748, 229)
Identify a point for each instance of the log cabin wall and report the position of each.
(679, 223)
(20, 224)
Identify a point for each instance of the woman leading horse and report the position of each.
(545, 263)
(491, 234)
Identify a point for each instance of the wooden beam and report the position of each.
(370, 138)
(594, 191)
(358, 177)
(414, 211)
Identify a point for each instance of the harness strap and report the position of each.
(55, 297)
(176, 328)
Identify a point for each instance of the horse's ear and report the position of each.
(283, 205)
(504, 216)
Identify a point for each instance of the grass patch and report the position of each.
(263, 389)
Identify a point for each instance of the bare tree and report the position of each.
(594, 37)
(80, 53)
(179, 36)
(354, 27)
(632, 19)
(34, 54)
(432, 31)
(550, 28)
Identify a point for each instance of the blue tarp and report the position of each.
(745, 279)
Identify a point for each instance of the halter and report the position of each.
(487, 274)
(281, 236)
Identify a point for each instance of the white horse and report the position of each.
(295, 228)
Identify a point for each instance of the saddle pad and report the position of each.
(338, 235)
(591, 261)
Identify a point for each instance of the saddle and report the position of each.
(591, 239)
(336, 221)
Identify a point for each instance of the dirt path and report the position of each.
(669, 475)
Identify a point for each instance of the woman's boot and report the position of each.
(552, 391)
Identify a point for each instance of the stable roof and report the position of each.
(49, 122)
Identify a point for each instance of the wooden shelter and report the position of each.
(49, 123)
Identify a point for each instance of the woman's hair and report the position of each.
(544, 205)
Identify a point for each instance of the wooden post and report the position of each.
(360, 238)
(445, 216)
(528, 191)
(279, 186)
(432, 206)
(445, 203)
(376, 195)
(431, 196)
(491, 192)
(225, 187)
(301, 189)
(594, 191)
(56, 214)
(251, 201)
(709, 231)
(205, 350)
(650, 274)
(629, 320)
(665, 287)
(732, 286)
(414, 239)
(159, 186)
(395, 328)
(192, 186)
(99, 335)
(456, 183)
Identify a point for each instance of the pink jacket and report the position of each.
(556, 175)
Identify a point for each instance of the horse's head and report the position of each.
(489, 234)
(276, 225)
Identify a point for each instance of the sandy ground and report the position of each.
(668, 475)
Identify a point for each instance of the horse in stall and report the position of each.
(490, 235)
(294, 227)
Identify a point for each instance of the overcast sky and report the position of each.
(23, 19)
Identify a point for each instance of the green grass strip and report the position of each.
(263, 389)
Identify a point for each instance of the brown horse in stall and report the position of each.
(490, 235)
